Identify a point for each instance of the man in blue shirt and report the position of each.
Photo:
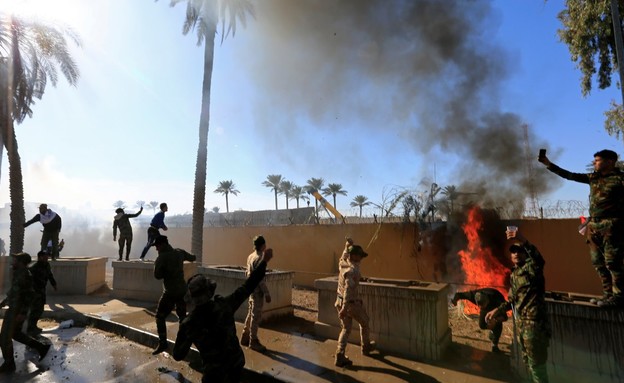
(158, 222)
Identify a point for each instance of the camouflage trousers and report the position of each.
(36, 309)
(606, 244)
(534, 337)
(254, 315)
(354, 310)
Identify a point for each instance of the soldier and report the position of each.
(18, 298)
(41, 273)
(169, 267)
(158, 222)
(526, 298)
(52, 223)
(211, 327)
(487, 299)
(256, 300)
(122, 221)
(606, 225)
(348, 303)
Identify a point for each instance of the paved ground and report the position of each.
(91, 355)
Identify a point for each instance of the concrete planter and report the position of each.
(229, 278)
(135, 280)
(80, 275)
(406, 317)
(587, 343)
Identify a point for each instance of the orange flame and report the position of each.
(481, 268)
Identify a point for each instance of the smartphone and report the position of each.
(542, 153)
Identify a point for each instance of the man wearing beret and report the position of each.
(527, 299)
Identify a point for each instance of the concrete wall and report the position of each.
(312, 251)
(78, 275)
(135, 280)
(279, 284)
(406, 317)
(586, 343)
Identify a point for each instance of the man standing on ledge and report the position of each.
(606, 224)
(51, 222)
(169, 267)
(122, 221)
(158, 222)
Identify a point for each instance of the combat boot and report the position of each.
(342, 360)
(244, 339)
(368, 348)
(162, 346)
(257, 346)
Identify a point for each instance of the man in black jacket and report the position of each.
(51, 222)
(210, 326)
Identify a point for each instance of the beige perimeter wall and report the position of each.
(312, 251)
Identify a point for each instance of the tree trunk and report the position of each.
(16, 188)
(199, 194)
(275, 199)
(227, 203)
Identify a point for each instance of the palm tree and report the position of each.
(298, 193)
(273, 182)
(202, 16)
(215, 209)
(153, 205)
(226, 188)
(333, 190)
(30, 52)
(315, 184)
(451, 194)
(286, 189)
(119, 204)
(360, 201)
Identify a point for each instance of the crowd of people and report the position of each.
(207, 320)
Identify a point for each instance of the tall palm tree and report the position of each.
(203, 16)
(451, 194)
(298, 193)
(30, 53)
(315, 184)
(226, 188)
(333, 190)
(273, 182)
(286, 189)
(119, 204)
(153, 205)
(360, 201)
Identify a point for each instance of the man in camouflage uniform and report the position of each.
(122, 221)
(487, 299)
(348, 303)
(526, 298)
(18, 299)
(169, 266)
(606, 225)
(256, 300)
(41, 273)
(211, 327)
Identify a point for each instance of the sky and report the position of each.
(373, 95)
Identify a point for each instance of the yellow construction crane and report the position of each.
(327, 205)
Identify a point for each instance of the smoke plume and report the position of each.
(427, 72)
